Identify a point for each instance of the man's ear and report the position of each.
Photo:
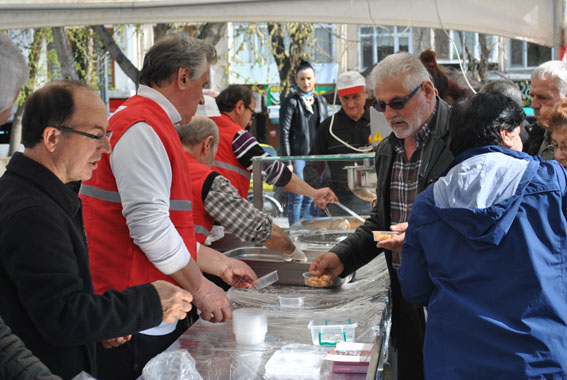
(50, 138)
(183, 77)
(429, 90)
(240, 107)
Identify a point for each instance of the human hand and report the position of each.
(212, 302)
(115, 342)
(238, 274)
(323, 196)
(396, 241)
(327, 262)
(175, 302)
(296, 255)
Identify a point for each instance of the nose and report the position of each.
(390, 113)
(535, 103)
(202, 99)
(105, 146)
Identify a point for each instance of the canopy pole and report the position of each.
(559, 27)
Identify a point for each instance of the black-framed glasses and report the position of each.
(99, 138)
(396, 104)
(253, 116)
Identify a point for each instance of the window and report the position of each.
(524, 54)
(324, 42)
(376, 43)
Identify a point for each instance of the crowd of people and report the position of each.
(104, 280)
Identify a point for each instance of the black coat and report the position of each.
(45, 284)
(359, 248)
(294, 136)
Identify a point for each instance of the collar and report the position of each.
(45, 180)
(159, 98)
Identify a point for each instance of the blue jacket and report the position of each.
(486, 251)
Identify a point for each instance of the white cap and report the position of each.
(350, 82)
(209, 109)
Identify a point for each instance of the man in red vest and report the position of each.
(138, 203)
(237, 146)
(215, 199)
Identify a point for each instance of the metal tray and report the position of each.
(326, 223)
(323, 239)
(263, 261)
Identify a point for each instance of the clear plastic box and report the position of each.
(328, 330)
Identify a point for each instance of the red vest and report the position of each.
(202, 221)
(115, 261)
(225, 160)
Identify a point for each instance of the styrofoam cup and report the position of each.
(249, 326)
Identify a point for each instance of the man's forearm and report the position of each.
(189, 277)
(211, 261)
(279, 241)
(298, 186)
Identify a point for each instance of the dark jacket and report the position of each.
(294, 137)
(17, 362)
(360, 248)
(46, 290)
(356, 133)
(496, 290)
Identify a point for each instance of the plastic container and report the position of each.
(266, 280)
(326, 280)
(328, 330)
(249, 326)
(383, 235)
(291, 302)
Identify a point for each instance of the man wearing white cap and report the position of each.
(352, 125)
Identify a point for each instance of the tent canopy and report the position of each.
(538, 21)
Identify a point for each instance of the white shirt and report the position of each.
(143, 175)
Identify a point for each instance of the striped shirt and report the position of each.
(404, 182)
(245, 147)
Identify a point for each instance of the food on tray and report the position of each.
(323, 281)
(341, 224)
(383, 235)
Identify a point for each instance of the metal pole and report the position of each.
(258, 188)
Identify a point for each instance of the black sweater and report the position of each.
(46, 290)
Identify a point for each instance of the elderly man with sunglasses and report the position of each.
(407, 161)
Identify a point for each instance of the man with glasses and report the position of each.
(407, 161)
(237, 147)
(47, 292)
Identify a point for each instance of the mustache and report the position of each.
(397, 120)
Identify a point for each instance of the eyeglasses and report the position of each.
(100, 139)
(553, 148)
(253, 116)
(397, 104)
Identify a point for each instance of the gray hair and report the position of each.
(170, 53)
(400, 64)
(197, 130)
(13, 72)
(553, 69)
(504, 87)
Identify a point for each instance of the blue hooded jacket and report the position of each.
(486, 251)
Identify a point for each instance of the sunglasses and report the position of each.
(396, 104)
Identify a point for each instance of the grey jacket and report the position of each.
(17, 362)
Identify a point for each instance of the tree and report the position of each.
(288, 60)
(33, 64)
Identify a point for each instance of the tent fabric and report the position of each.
(531, 20)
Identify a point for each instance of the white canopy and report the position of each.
(538, 21)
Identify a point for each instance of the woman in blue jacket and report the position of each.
(485, 250)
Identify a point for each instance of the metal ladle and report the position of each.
(349, 211)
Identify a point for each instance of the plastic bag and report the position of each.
(172, 365)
